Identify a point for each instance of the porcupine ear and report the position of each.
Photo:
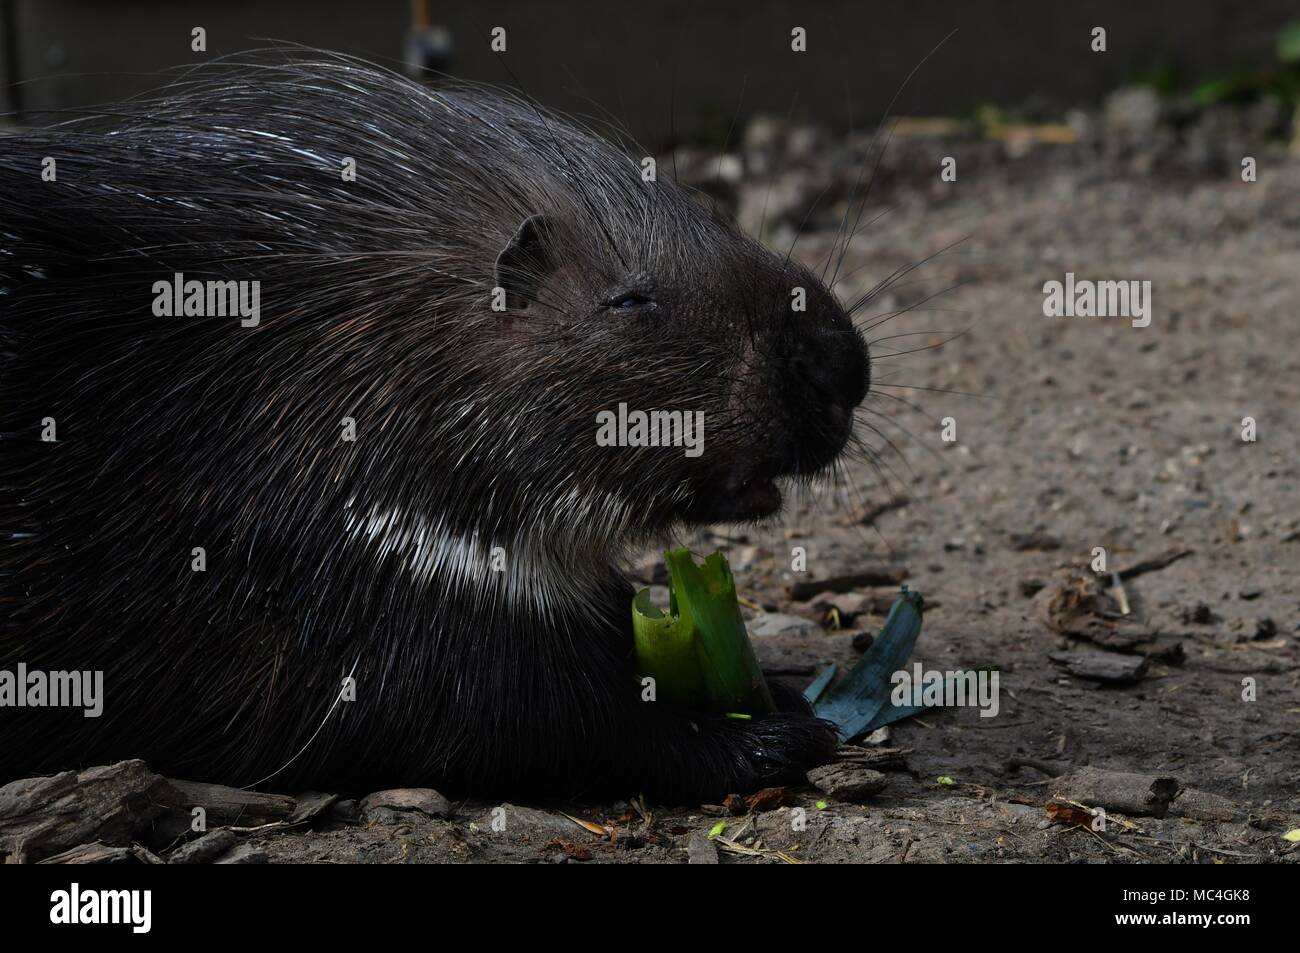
(524, 261)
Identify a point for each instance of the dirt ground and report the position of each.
(1071, 434)
(1083, 432)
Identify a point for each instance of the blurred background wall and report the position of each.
(664, 64)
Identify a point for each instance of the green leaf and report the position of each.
(665, 651)
(1215, 90)
(699, 652)
(1288, 43)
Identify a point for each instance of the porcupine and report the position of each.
(475, 437)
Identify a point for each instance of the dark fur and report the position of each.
(184, 432)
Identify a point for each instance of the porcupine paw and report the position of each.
(781, 748)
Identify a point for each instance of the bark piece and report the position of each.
(311, 805)
(876, 758)
(245, 854)
(1203, 806)
(103, 854)
(1109, 667)
(847, 781)
(205, 849)
(108, 804)
(226, 805)
(1138, 795)
(1076, 605)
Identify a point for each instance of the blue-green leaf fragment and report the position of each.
(861, 702)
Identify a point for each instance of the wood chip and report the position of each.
(205, 849)
(769, 799)
(875, 576)
(1109, 667)
(700, 849)
(878, 759)
(1152, 563)
(1078, 606)
(847, 781)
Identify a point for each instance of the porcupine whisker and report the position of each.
(848, 239)
(315, 734)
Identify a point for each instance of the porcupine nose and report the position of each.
(834, 367)
(831, 372)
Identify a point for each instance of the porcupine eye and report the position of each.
(629, 301)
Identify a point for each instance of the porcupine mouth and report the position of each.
(751, 492)
(738, 497)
